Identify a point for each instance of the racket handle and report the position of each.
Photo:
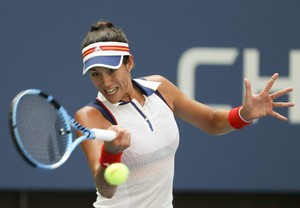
(104, 135)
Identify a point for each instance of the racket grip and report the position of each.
(104, 135)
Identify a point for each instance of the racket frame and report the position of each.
(69, 121)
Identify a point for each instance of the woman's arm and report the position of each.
(92, 118)
(216, 122)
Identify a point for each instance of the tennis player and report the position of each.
(142, 112)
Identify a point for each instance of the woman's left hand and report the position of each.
(263, 104)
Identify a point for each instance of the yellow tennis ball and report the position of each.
(116, 174)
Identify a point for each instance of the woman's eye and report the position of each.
(94, 74)
(110, 71)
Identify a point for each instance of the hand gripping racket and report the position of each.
(43, 130)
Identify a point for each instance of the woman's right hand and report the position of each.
(120, 142)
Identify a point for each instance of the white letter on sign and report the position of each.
(194, 57)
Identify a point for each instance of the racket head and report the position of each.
(40, 129)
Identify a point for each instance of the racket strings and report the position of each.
(39, 125)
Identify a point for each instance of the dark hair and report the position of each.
(103, 31)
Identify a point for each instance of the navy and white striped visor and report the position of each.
(104, 54)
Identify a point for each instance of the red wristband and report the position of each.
(106, 159)
(235, 119)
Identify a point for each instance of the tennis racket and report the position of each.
(43, 131)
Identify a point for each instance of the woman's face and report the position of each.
(114, 84)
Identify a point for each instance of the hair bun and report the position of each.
(103, 31)
(101, 25)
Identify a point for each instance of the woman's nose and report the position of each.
(106, 80)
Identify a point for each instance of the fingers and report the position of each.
(247, 87)
(123, 138)
(114, 127)
(279, 116)
(121, 142)
(281, 92)
(265, 100)
(283, 104)
(271, 82)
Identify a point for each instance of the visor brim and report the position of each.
(112, 62)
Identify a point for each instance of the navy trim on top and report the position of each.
(146, 91)
(96, 103)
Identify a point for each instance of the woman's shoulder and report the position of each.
(156, 78)
(165, 83)
(91, 117)
(85, 111)
(166, 88)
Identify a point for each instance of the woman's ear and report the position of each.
(130, 63)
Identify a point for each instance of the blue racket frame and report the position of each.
(69, 122)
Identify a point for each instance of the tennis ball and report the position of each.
(116, 174)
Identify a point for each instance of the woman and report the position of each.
(142, 112)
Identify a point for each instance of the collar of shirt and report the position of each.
(146, 87)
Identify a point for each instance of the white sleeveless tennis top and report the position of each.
(150, 158)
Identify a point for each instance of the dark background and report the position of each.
(41, 48)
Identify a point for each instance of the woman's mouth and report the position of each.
(111, 91)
